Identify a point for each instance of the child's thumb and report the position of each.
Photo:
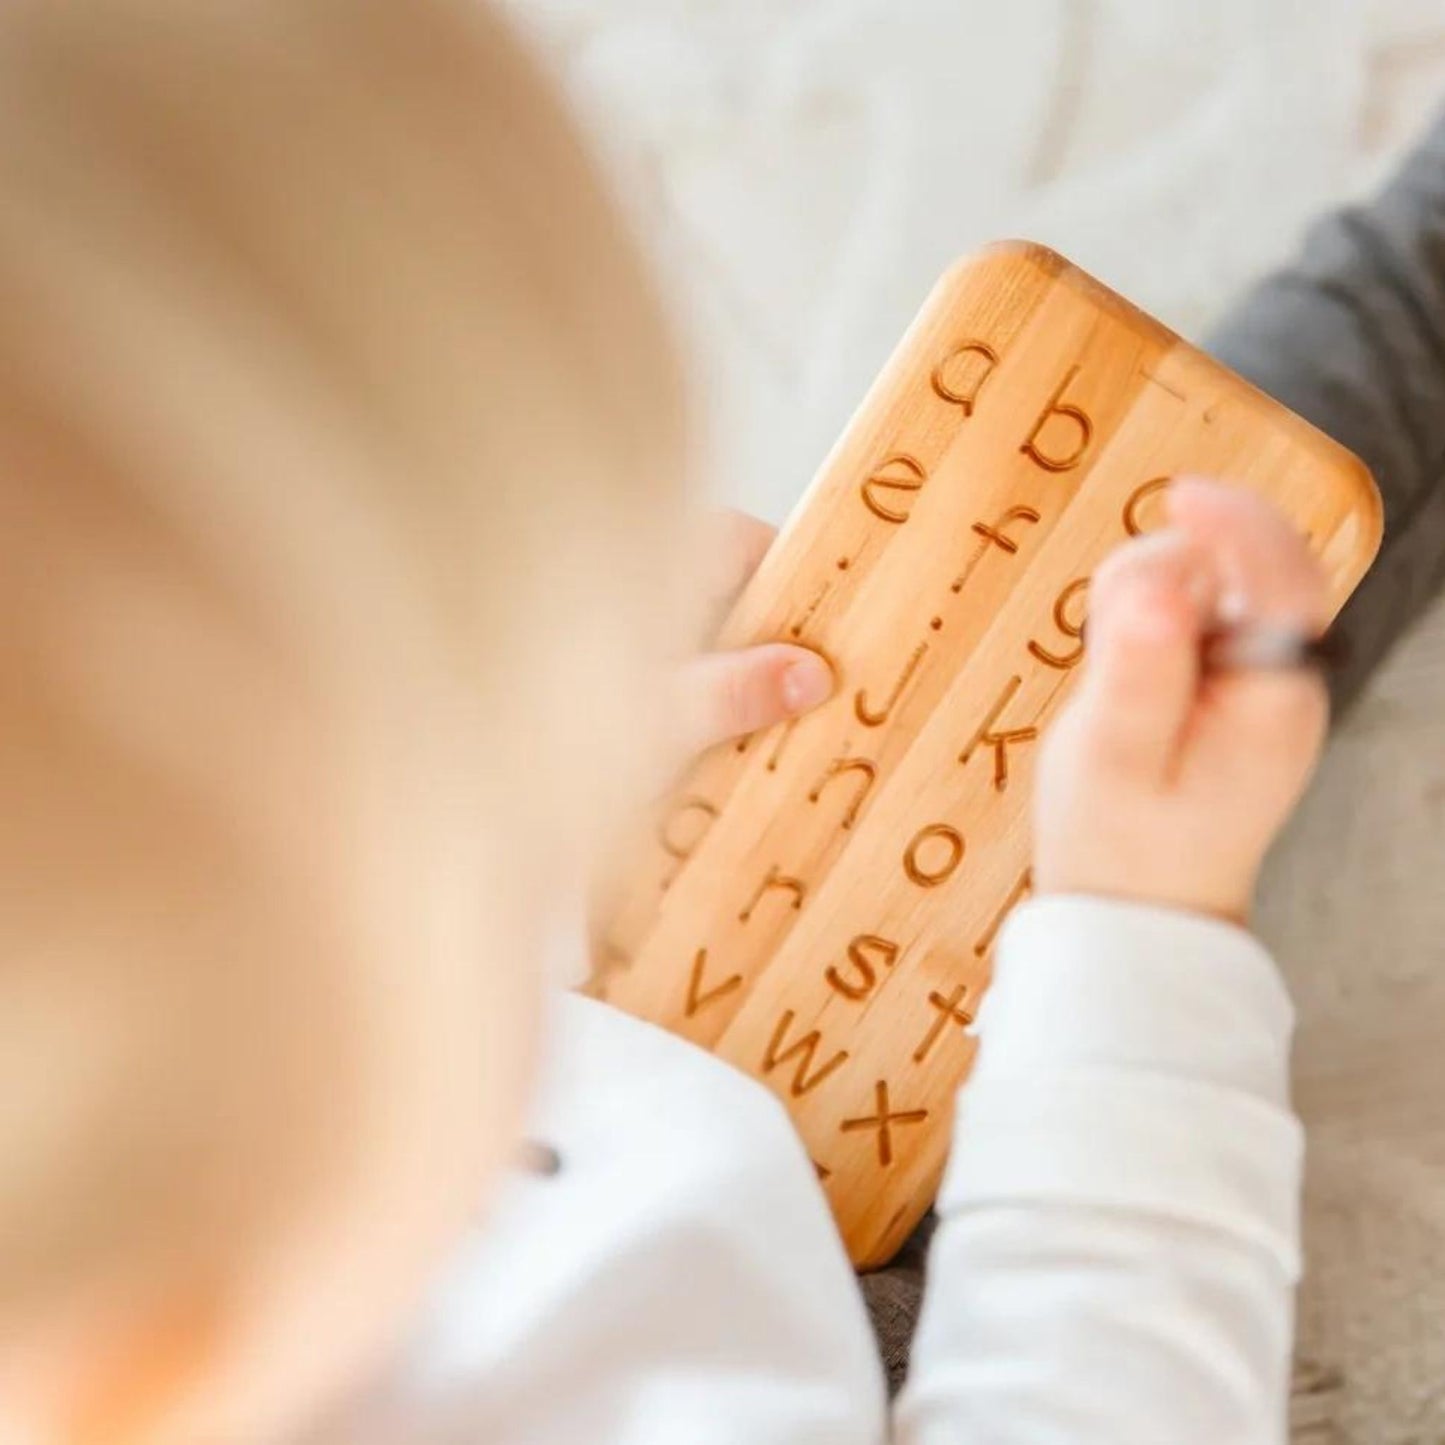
(726, 694)
(1148, 605)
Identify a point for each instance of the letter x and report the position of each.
(882, 1120)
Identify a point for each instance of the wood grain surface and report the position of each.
(818, 905)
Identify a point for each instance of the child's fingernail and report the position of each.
(806, 683)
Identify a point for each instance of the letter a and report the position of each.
(950, 381)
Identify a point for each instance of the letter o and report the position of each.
(931, 875)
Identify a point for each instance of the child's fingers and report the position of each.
(1148, 605)
(1265, 720)
(725, 694)
(1268, 720)
(724, 551)
(1266, 570)
(735, 544)
(1261, 727)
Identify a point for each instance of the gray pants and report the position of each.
(1351, 336)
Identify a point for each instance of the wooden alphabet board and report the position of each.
(819, 904)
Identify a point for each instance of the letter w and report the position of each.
(803, 1050)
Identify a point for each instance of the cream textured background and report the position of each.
(805, 168)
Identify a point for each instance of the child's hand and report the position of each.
(1161, 783)
(722, 695)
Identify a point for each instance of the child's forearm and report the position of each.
(1119, 1239)
(1352, 336)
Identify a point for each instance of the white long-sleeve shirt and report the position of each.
(1115, 1259)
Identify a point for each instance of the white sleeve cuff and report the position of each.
(1134, 1058)
(1085, 982)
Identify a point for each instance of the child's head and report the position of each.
(337, 445)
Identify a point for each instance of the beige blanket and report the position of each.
(1355, 906)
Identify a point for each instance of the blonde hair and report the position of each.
(338, 435)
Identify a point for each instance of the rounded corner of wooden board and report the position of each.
(1368, 506)
(1348, 472)
(1349, 475)
(1054, 268)
(1014, 250)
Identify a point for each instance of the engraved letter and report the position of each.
(1062, 461)
(775, 879)
(848, 765)
(866, 714)
(905, 478)
(1019, 891)
(1133, 523)
(1064, 661)
(800, 626)
(785, 733)
(944, 868)
(861, 985)
(698, 998)
(950, 1010)
(954, 377)
(996, 533)
(683, 848)
(803, 1050)
(883, 1121)
(993, 535)
(999, 741)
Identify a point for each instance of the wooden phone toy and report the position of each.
(819, 903)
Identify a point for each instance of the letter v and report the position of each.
(699, 998)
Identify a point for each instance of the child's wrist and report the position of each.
(1233, 904)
